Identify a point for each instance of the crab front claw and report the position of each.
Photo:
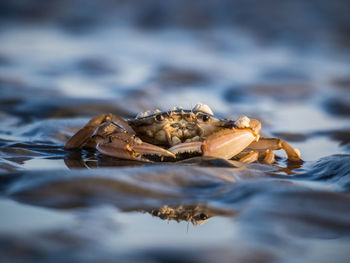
(225, 143)
(131, 149)
(229, 142)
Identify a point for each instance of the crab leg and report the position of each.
(84, 133)
(265, 156)
(276, 144)
(251, 157)
(269, 157)
(132, 149)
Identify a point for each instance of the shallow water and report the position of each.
(71, 206)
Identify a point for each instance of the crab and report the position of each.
(177, 134)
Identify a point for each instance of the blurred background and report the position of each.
(286, 63)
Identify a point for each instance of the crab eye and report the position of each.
(159, 117)
(205, 118)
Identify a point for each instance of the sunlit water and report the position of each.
(68, 206)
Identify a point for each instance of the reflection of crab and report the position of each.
(195, 214)
(176, 133)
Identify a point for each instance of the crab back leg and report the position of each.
(85, 133)
(269, 157)
(249, 156)
(293, 154)
(81, 136)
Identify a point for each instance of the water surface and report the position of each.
(72, 206)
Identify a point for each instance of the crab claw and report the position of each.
(186, 147)
(225, 143)
(149, 149)
(133, 149)
(229, 142)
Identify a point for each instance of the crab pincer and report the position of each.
(228, 143)
(225, 143)
(131, 148)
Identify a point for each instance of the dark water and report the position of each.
(58, 70)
